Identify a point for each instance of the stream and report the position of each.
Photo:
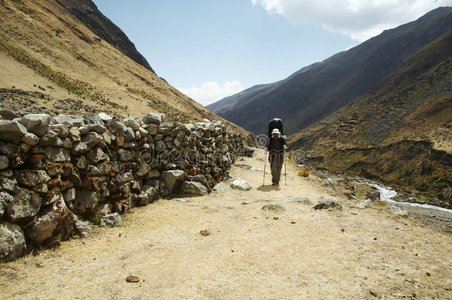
(387, 195)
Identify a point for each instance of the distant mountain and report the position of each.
(64, 56)
(318, 90)
(399, 133)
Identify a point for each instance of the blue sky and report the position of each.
(210, 49)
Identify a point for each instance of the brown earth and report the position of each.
(245, 252)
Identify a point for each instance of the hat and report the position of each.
(276, 130)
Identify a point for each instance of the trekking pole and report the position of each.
(265, 166)
(285, 169)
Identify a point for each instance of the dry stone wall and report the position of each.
(61, 174)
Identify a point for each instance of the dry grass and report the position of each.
(303, 171)
(42, 45)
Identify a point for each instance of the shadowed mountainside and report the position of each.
(320, 89)
(399, 133)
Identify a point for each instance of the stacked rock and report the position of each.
(57, 171)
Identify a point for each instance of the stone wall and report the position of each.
(59, 175)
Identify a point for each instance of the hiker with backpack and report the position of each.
(276, 149)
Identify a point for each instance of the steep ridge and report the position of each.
(53, 62)
(88, 13)
(399, 133)
(310, 95)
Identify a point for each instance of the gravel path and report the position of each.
(288, 252)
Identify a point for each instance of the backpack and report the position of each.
(275, 123)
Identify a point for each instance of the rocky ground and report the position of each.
(264, 243)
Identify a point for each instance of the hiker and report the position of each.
(276, 147)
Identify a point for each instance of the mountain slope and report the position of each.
(90, 16)
(52, 61)
(399, 133)
(247, 96)
(306, 97)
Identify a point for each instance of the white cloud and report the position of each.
(212, 91)
(359, 19)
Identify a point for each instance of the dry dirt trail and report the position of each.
(299, 253)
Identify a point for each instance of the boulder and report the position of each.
(52, 196)
(274, 208)
(132, 122)
(36, 123)
(12, 242)
(83, 227)
(397, 210)
(56, 154)
(125, 155)
(11, 131)
(74, 134)
(31, 178)
(6, 114)
(111, 220)
(328, 182)
(8, 184)
(85, 201)
(153, 118)
(5, 199)
(104, 117)
(97, 155)
(69, 195)
(152, 129)
(201, 179)
(154, 173)
(50, 138)
(104, 210)
(126, 177)
(8, 149)
(129, 134)
(373, 195)
(146, 197)
(30, 139)
(44, 228)
(143, 132)
(222, 187)
(143, 169)
(240, 184)
(160, 146)
(68, 120)
(97, 128)
(80, 148)
(82, 163)
(92, 139)
(327, 203)
(193, 188)
(4, 162)
(364, 203)
(24, 206)
(173, 179)
(60, 129)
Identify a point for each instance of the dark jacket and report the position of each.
(276, 145)
(276, 150)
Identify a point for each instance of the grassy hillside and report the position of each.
(51, 61)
